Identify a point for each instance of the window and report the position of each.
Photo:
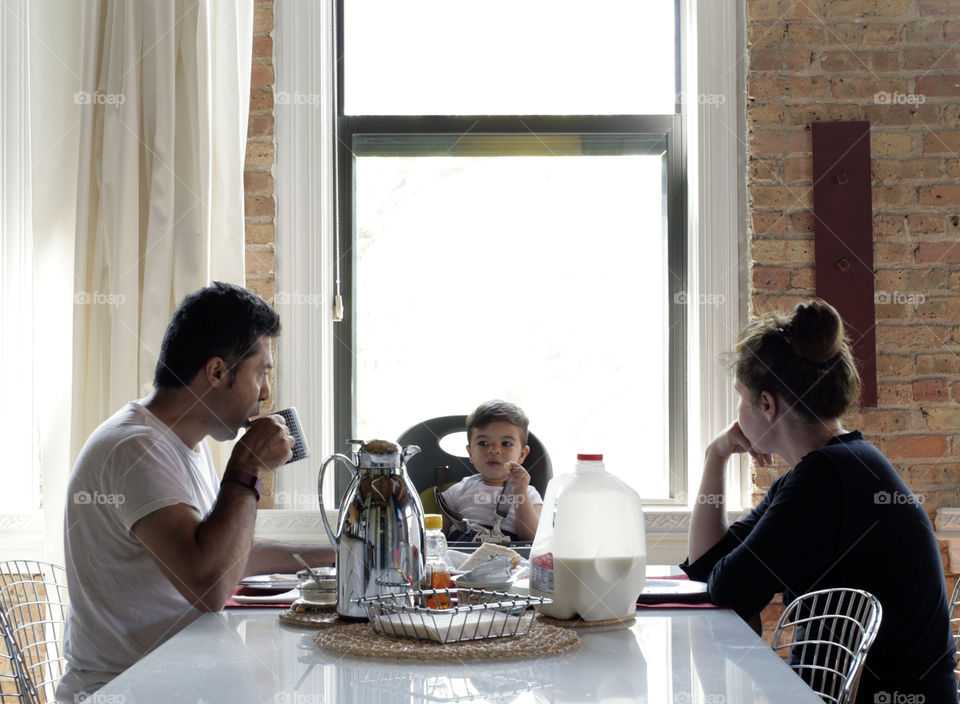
(512, 224)
(709, 161)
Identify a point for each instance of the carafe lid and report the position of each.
(380, 454)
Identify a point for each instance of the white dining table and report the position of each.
(667, 656)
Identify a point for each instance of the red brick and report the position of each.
(929, 446)
(766, 60)
(262, 47)
(759, 10)
(892, 254)
(891, 226)
(894, 394)
(939, 86)
(844, 60)
(890, 143)
(855, 87)
(769, 223)
(955, 391)
(782, 197)
(781, 142)
(766, 34)
(260, 233)
(799, 34)
(942, 418)
(905, 169)
(931, 390)
(882, 61)
(938, 7)
(942, 141)
(764, 170)
(777, 251)
(892, 196)
(765, 114)
(891, 365)
(807, 114)
(803, 279)
(924, 59)
(919, 115)
(261, 75)
(869, 8)
(845, 34)
(260, 126)
(259, 154)
(938, 253)
(762, 87)
(798, 61)
(259, 205)
(767, 278)
(925, 223)
(260, 182)
(910, 280)
(262, 18)
(882, 33)
(802, 222)
(798, 169)
(923, 32)
(951, 32)
(901, 336)
(260, 262)
(945, 194)
(939, 308)
(261, 99)
(937, 364)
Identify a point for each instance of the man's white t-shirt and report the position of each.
(473, 499)
(121, 605)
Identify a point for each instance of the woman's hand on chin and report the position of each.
(732, 441)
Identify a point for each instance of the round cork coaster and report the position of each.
(610, 624)
(313, 617)
(359, 639)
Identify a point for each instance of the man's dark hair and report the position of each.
(221, 320)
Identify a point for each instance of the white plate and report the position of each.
(674, 586)
(270, 581)
(282, 598)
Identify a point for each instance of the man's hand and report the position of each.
(266, 445)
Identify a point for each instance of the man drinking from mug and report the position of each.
(171, 541)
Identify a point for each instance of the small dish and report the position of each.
(270, 581)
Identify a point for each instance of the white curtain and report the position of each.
(166, 87)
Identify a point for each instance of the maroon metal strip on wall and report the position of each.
(843, 237)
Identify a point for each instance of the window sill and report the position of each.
(948, 531)
(666, 530)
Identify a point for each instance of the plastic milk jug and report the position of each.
(589, 554)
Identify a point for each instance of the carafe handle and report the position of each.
(323, 514)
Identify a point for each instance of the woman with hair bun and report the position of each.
(840, 517)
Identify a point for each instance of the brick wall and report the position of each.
(259, 205)
(826, 60)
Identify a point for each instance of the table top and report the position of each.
(672, 656)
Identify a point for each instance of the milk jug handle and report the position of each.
(323, 514)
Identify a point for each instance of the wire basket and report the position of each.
(477, 614)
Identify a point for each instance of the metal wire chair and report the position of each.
(34, 605)
(827, 634)
(955, 624)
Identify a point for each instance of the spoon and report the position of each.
(314, 575)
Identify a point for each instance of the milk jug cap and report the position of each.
(589, 458)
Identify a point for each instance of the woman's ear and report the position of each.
(769, 406)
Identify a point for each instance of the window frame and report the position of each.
(713, 63)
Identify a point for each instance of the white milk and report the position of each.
(589, 553)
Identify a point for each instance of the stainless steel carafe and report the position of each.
(380, 536)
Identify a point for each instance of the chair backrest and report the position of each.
(34, 602)
(955, 624)
(428, 434)
(827, 635)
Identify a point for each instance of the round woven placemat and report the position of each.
(319, 618)
(610, 624)
(359, 639)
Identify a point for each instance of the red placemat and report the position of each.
(246, 591)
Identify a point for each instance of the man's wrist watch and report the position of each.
(250, 481)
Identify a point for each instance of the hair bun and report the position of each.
(816, 331)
